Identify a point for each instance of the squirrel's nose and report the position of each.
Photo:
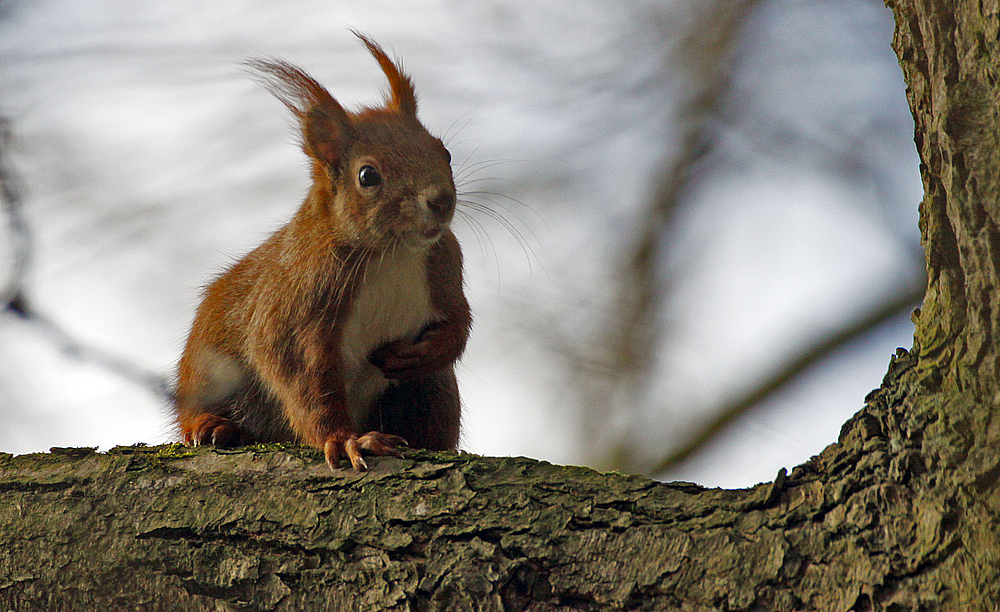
(440, 203)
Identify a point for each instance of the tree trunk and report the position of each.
(902, 513)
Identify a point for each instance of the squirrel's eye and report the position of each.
(369, 177)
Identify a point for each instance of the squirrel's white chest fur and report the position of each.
(392, 302)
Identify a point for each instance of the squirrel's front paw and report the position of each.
(350, 445)
(212, 429)
(402, 360)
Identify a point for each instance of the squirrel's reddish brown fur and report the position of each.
(350, 317)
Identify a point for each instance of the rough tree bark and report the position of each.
(902, 513)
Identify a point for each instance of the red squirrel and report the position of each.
(342, 329)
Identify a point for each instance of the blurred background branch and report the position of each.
(14, 291)
(19, 236)
(904, 300)
(613, 371)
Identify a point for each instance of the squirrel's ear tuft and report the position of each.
(325, 124)
(404, 99)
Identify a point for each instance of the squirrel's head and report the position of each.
(379, 176)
